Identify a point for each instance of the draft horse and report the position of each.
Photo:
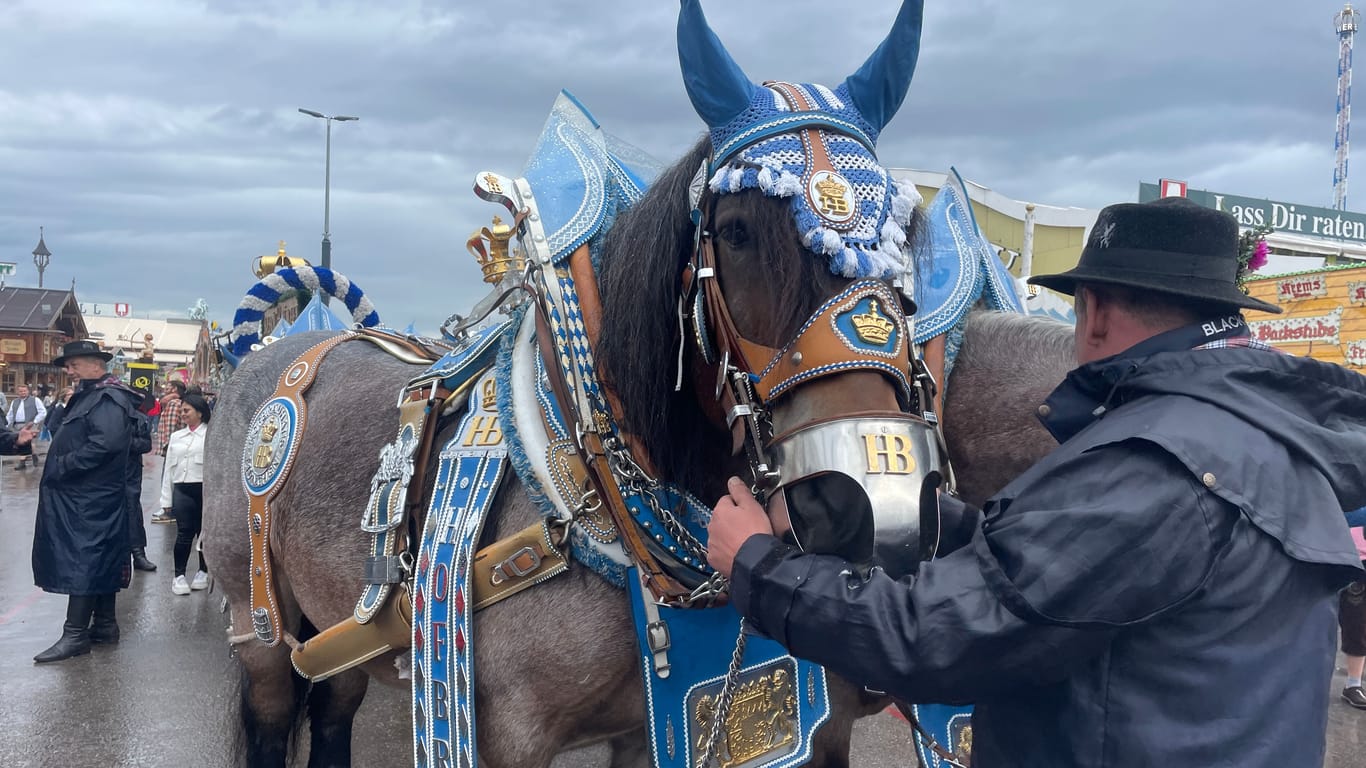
(537, 704)
(558, 664)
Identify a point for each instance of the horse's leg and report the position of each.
(830, 748)
(332, 706)
(555, 668)
(630, 750)
(270, 700)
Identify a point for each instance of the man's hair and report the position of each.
(197, 402)
(178, 386)
(1153, 309)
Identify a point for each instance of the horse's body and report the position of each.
(543, 704)
(556, 665)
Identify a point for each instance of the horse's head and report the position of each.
(794, 289)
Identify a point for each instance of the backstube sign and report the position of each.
(1297, 330)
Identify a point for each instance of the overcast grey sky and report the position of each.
(159, 142)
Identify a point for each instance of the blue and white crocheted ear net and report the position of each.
(873, 244)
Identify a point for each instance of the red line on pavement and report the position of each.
(26, 602)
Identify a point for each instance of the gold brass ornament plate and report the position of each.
(762, 722)
(833, 198)
(962, 742)
(270, 441)
(570, 476)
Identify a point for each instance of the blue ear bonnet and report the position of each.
(811, 144)
(768, 115)
(855, 214)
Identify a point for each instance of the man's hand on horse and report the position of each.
(735, 518)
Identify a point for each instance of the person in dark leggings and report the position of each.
(182, 488)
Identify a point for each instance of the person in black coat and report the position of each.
(81, 537)
(140, 444)
(1161, 589)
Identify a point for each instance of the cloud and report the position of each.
(158, 140)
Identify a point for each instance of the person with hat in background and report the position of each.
(141, 443)
(81, 544)
(1162, 588)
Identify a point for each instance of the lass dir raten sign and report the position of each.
(1282, 217)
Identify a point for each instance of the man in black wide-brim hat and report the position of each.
(81, 542)
(1161, 589)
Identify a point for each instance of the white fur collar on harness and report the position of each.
(609, 560)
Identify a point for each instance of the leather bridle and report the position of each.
(751, 376)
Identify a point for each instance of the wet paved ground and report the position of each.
(162, 697)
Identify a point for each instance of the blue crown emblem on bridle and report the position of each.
(812, 144)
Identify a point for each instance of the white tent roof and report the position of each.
(173, 339)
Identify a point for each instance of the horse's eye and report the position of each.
(735, 234)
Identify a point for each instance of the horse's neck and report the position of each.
(1004, 371)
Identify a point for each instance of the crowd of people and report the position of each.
(89, 534)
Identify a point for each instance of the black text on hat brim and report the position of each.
(1066, 283)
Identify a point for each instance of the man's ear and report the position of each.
(1097, 317)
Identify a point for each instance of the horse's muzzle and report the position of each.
(863, 487)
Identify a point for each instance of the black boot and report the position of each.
(105, 628)
(140, 561)
(75, 633)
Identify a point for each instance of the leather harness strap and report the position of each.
(599, 471)
(349, 643)
(820, 348)
(590, 304)
(932, 353)
(663, 585)
(499, 571)
(405, 348)
(518, 562)
(273, 439)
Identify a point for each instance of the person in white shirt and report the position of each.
(182, 488)
(25, 410)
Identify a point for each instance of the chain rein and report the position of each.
(728, 689)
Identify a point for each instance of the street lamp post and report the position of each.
(41, 257)
(327, 183)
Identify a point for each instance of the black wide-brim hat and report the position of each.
(82, 348)
(1170, 245)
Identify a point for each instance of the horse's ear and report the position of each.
(879, 86)
(718, 88)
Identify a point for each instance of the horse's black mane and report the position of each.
(637, 353)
